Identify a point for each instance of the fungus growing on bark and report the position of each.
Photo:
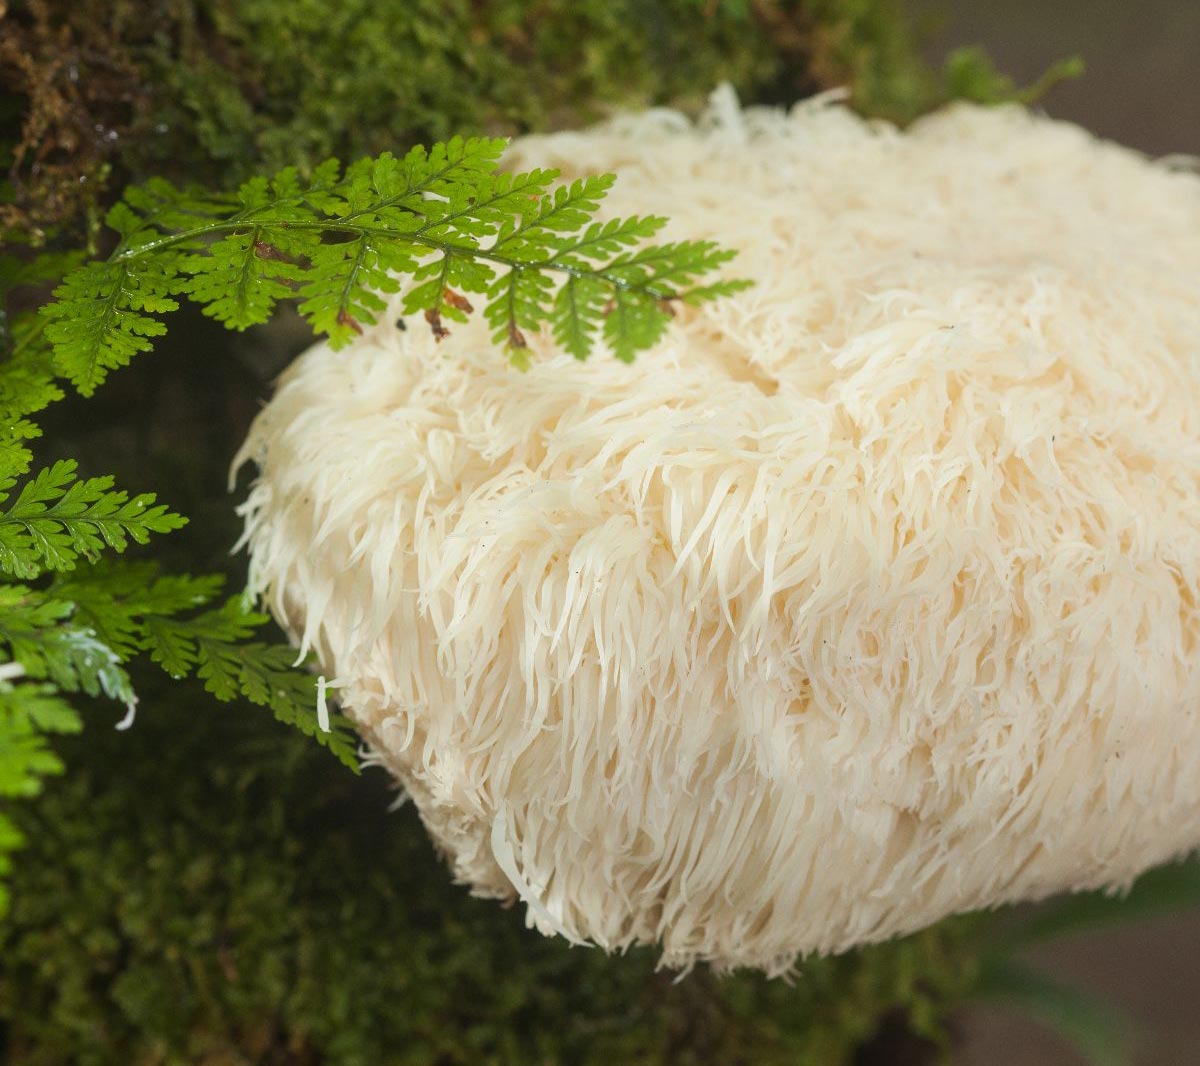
(868, 596)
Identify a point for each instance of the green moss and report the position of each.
(214, 90)
(365, 75)
(210, 889)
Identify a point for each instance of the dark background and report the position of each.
(1142, 84)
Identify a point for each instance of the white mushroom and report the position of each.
(870, 595)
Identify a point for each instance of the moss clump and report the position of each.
(214, 90)
(217, 89)
(210, 889)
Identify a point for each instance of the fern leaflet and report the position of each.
(58, 517)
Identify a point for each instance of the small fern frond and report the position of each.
(134, 610)
(339, 241)
(57, 517)
(103, 315)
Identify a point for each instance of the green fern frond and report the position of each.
(118, 602)
(58, 517)
(136, 610)
(698, 294)
(213, 647)
(447, 218)
(29, 714)
(239, 279)
(38, 632)
(535, 234)
(27, 374)
(342, 284)
(26, 387)
(102, 316)
(602, 240)
(578, 313)
(157, 206)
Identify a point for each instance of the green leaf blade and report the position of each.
(1101, 1035)
(577, 315)
(98, 321)
(57, 518)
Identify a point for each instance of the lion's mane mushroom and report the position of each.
(870, 595)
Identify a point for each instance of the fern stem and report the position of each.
(352, 276)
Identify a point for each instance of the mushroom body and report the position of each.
(869, 595)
